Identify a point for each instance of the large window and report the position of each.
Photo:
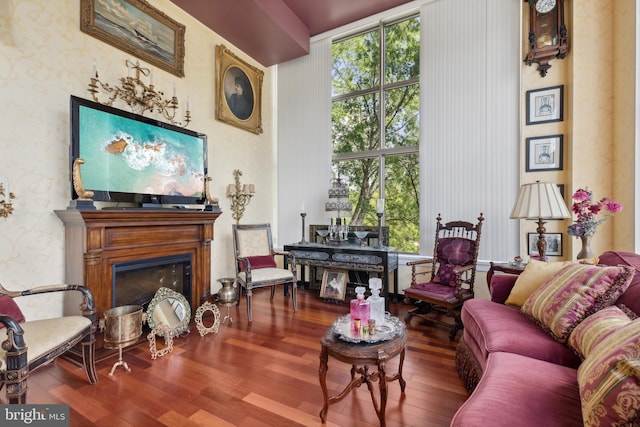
(375, 120)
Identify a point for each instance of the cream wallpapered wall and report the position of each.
(598, 127)
(45, 58)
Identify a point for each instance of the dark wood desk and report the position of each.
(359, 356)
(383, 260)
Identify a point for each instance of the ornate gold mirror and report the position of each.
(169, 308)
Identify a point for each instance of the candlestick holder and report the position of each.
(303, 216)
(240, 196)
(379, 244)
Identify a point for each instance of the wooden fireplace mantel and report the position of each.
(96, 239)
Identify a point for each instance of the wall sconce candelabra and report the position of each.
(6, 207)
(137, 95)
(240, 196)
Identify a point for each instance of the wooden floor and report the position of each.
(263, 374)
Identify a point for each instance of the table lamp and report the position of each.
(539, 201)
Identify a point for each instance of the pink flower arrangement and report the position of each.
(587, 210)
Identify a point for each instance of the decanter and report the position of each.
(359, 310)
(376, 302)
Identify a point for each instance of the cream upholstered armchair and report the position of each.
(256, 265)
(27, 345)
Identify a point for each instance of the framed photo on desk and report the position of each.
(334, 284)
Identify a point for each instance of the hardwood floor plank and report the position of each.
(263, 373)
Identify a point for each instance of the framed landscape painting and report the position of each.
(138, 28)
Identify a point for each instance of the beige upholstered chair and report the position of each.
(450, 279)
(256, 264)
(27, 345)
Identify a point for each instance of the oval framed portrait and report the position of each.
(239, 91)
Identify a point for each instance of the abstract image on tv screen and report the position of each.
(131, 156)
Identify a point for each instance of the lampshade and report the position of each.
(540, 200)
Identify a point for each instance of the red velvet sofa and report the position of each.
(516, 372)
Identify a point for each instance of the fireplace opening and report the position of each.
(136, 282)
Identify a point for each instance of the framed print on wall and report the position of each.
(554, 243)
(238, 91)
(138, 28)
(544, 153)
(334, 284)
(545, 105)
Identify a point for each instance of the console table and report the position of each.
(383, 260)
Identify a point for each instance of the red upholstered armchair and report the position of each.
(449, 281)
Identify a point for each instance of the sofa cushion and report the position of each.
(513, 392)
(490, 327)
(595, 328)
(572, 294)
(609, 379)
(631, 297)
(534, 275)
(9, 307)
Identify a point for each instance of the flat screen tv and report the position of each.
(136, 159)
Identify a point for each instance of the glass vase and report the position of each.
(585, 252)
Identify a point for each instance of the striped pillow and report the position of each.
(572, 294)
(609, 380)
(592, 330)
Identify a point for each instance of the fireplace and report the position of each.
(136, 282)
(98, 240)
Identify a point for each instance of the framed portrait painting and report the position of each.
(545, 105)
(334, 284)
(138, 28)
(544, 153)
(238, 91)
(554, 243)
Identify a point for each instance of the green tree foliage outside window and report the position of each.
(375, 126)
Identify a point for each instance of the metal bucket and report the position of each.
(123, 326)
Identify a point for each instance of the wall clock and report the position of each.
(547, 33)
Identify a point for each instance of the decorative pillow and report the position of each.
(445, 275)
(572, 294)
(592, 330)
(9, 307)
(262, 261)
(456, 251)
(609, 380)
(534, 275)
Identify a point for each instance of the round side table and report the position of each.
(360, 356)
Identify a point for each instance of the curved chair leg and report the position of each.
(249, 295)
(89, 359)
(273, 292)
(295, 296)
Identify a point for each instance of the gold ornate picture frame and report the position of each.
(238, 91)
(138, 28)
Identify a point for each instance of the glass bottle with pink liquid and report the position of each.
(360, 309)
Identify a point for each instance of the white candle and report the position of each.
(174, 89)
(303, 211)
(187, 103)
(380, 205)
(151, 78)
(95, 70)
